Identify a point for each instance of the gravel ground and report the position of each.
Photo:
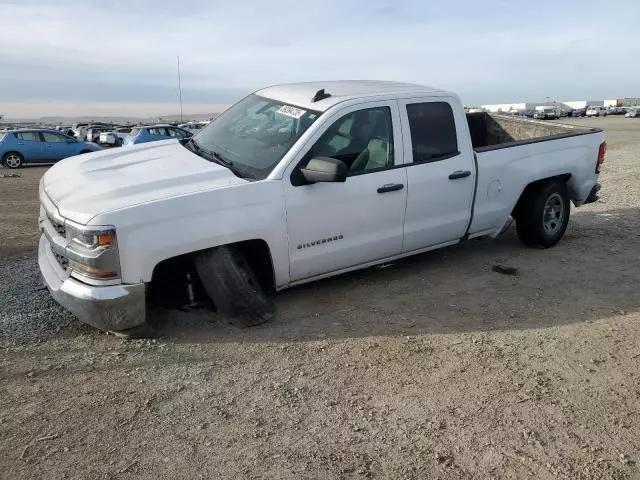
(28, 314)
(436, 367)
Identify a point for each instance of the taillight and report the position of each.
(601, 153)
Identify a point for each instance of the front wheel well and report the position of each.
(535, 185)
(169, 278)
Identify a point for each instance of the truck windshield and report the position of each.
(255, 133)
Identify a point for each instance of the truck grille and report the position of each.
(62, 260)
(60, 229)
(58, 226)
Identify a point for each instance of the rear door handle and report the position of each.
(459, 174)
(390, 187)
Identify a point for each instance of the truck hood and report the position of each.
(87, 185)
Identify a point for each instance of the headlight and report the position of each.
(92, 251)
(92, 238)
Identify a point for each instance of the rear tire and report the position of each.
(543, 214)
(233, 287)
(13, 160)
(85, 151)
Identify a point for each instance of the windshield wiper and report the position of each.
(209, 154)
(194, 145)
(223, 161)
(217, 158)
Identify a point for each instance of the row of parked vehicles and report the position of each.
(41, 145)
(554, 113)
(116, 136)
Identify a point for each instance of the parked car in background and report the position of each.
(529, 113)
(578, 112)
(114, 138)
(616, 111)
(595, 111)
(153, 133)
(546, 113)
(93, 133)
(80, 130)
(632, 113)
(19, 147)
(193, 127)
(66, 129)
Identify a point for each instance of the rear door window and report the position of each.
(28, 136)
(176, 132)
(158, 131)
(433, 131)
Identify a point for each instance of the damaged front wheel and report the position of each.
(233, 287)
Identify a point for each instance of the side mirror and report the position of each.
(325, 169)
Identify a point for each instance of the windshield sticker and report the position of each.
(291, 111)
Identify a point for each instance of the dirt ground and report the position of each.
(435, 367)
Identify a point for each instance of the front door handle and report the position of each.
(390, 187)
(459, 174)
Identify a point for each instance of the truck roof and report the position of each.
(302, 94)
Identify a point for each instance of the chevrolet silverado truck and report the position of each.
(295, 183)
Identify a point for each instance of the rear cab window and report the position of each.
(433, 131)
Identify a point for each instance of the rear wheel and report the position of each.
(13, 160)
(543, 214)
(85, 151)
(233, 287)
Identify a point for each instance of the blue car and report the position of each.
(153, 133)
(18, 147)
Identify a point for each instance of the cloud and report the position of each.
(91, 52)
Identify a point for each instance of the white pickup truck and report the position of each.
(295, 183)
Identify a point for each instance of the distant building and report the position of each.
(629, 102)
(509, 107)
(584, 103)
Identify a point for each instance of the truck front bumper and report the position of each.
(113, 307)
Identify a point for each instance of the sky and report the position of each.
(116, 57)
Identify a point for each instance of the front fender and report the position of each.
(153, 232)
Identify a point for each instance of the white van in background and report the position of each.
(546, 113)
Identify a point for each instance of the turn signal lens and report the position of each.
(105, 239)
(91, 271)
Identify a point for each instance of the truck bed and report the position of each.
(491, 131)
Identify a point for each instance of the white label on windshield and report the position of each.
(291, 111)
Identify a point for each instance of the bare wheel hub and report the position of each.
(553, 214)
